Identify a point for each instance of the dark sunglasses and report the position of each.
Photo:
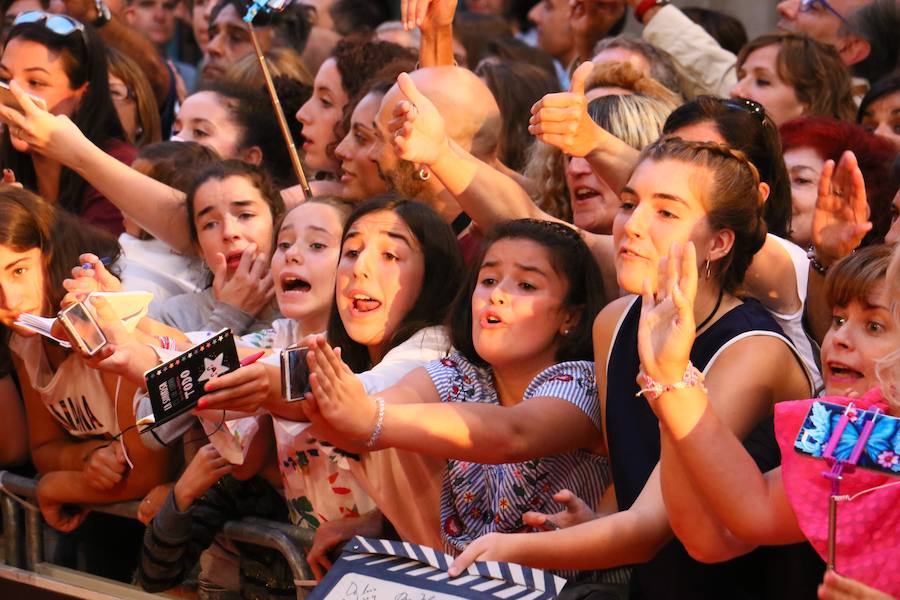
(751, 106)
(59, 24)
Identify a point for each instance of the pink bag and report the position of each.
(868, 525)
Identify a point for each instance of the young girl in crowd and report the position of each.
(232, 209)
(237, 122)
(63, 62)
(149, 264)
(339, 79)
(405, 261)
(520, 326)
(794, 76)
(661, 204)
(742, 507)
(80, 422)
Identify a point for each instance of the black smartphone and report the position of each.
(294, 373)
(81, 326)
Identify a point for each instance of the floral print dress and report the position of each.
(480, 498)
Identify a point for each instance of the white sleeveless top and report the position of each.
(74, 394)
(792, 324)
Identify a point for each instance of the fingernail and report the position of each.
(201, 403)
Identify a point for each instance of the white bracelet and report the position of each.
(653, 389)
(379, 423)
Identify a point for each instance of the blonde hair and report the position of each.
(282, 62)
(545, 166)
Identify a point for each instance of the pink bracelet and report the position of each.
(652, 389)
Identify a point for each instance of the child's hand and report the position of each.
(206, 468)
(243, 390)
(838, 587)
(85, 281)
(250, 287)
(417, 128)
(841, 219)
(152, 502)
(338, 395)
(60, 516)
(105, 467)
(666, 330)
(575, 513)
(562, 119)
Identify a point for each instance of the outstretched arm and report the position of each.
(412, 417)
(156, 207)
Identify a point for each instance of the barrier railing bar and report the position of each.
(286, 539)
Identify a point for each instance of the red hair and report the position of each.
(830, 138)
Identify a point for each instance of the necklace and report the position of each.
(714, 311)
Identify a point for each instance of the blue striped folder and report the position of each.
(372, 569)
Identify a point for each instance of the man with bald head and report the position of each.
(473, 122)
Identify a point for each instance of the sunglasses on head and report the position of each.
(745, 104)
(59, 24)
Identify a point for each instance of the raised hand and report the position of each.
(37, 130)
(242, 390)
(105, 467)
(427, 14)
(204, 470)
(418, 129)
(666, 329)
(576, 512)
(562, 119)
(841, 218)
(339, 397)
(250, 287)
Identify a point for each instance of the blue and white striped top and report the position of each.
(476, 498)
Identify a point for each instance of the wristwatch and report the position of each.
(644, 7)
(103, 13)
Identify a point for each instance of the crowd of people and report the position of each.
(570, 273)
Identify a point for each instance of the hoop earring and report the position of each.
(424, 174)
(707, 269)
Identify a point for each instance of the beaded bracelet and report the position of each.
(379, 423)
(652, 389)
(817, 266)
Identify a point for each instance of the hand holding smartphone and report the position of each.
(294, 374)
(8, 99)
(82, 328)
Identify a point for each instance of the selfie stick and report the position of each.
(252, 11)
(839, 467)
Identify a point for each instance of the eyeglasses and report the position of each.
(59, 24)
(745, 104)
(121, 93)
(812, 5)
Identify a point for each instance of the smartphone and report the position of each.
(82, 328)
(7, 98)
(294, 373)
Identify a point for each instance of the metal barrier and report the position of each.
(23, 530)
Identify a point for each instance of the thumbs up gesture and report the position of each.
(562, 119)
(418, 129)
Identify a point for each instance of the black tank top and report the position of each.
(633, 440)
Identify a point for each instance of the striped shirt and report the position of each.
(479, 498)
